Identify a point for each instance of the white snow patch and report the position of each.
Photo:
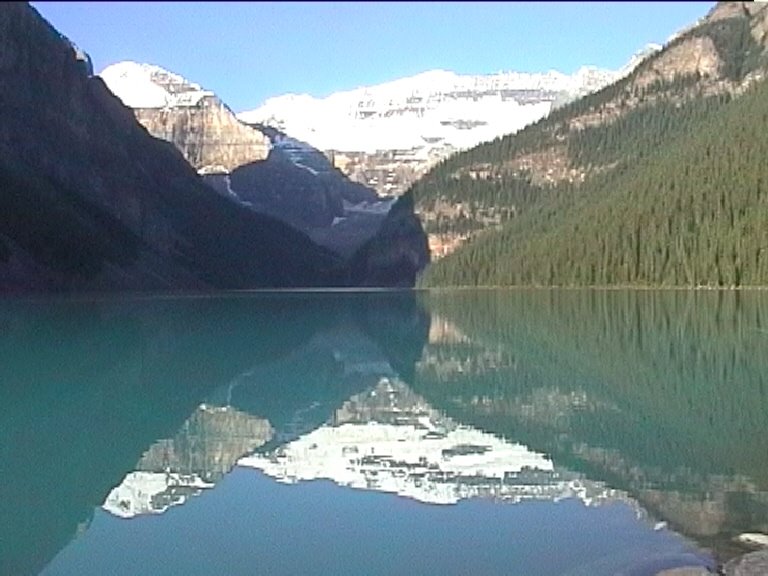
(380, 207)
(303, 166)
(139, 491)
(397, 459)
(148, 86)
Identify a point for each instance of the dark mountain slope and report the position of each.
(90, 201)
(399, 250)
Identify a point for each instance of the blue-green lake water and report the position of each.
(530, 432)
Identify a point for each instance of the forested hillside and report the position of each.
(691, 212)
(653, 180)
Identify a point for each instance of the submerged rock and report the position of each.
(752, 564)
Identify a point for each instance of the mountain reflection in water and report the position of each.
(391, 440)
(638, 402)
(660, 394)
(90, 385)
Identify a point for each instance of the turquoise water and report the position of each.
(482, 432)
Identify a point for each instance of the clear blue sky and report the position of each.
(249, 51)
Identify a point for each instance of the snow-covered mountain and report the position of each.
(434, 109)
(387, 135)
(193, 119)
(387, 439)
(175, 469)
(152, 492)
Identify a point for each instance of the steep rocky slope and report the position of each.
(194, 120)
(298, 185)
(90, 201)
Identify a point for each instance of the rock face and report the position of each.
(715, 50)
(82, 56)
(697, 56)
(208, 444)
(752, 564)
(89, 201)
(702, 50)
(199, 455)
(194, 120)
(206, 133)
(298, 185)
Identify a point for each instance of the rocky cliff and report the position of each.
(194, 120)
(208, 443)
(207, 134)
(298, 185)
(88, 200)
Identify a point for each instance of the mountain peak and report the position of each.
(141, 85)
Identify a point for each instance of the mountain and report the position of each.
(387, 135)
(195, 120)
(399, 250)
(89, 201)
(298, 185)
(273, 173)
(200, 454)
(655, 180)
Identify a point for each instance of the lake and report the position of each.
(530, 432)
